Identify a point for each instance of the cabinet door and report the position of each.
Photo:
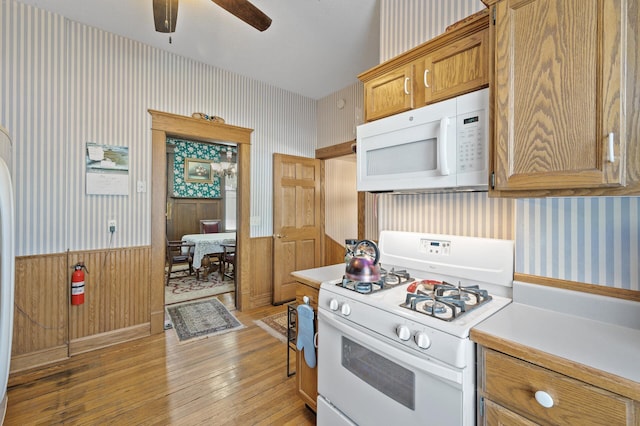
(389, 94)
(558, 85)
(458, 68)
(306, 376)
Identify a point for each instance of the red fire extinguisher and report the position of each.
(77, 284)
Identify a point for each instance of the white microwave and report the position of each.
(439, 147)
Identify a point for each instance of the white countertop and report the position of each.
(607, 347)
(316, 276)
(599, 332)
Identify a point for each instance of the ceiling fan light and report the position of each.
(165, 15)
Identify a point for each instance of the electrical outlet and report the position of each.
(112, 226)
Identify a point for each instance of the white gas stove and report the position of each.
(408, 342)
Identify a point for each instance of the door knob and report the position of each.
(280, 236)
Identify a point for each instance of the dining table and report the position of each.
(206, 244)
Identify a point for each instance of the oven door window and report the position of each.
(393, 380)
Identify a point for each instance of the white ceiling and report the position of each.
(313, 47)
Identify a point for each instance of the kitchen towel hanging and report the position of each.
(306, 331)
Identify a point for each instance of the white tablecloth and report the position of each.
(208, 243)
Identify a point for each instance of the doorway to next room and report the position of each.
(201, 218)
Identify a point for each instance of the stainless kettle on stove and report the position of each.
(364, 266)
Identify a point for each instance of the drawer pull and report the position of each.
(544, 399)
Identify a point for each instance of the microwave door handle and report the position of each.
(443, 165)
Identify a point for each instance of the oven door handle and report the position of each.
(406, 359)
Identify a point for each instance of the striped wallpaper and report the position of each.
(63, 84)
(335, 124)
(470, 214)
(405, 24)
(593, 240)
(341, 200)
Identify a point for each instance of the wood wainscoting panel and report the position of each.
(117, 291)
(184, 214)
(40, 309)
(333, 251)
(261, 274)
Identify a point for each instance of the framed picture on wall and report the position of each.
(197, 170)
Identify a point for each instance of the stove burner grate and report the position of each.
(388, 279)
(447, 301)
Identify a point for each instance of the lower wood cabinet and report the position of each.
(306, 376)
(515, 392)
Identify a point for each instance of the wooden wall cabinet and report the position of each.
(459, 67)
(306, 376)
(389, 93)
(507, 389)
(564, 80)
(451, 64)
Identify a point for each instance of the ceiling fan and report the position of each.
(165, 14)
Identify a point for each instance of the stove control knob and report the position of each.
(346, 310)
(422, 340)
(334, 305)
(403, 332)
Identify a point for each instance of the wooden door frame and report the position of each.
(165, 125)
(335, 151)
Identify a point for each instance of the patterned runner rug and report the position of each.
(183, 287)
(201, 319)
(275, 325)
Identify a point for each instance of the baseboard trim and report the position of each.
(21, 363)
(97, 341)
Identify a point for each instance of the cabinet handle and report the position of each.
(544, 399)
(424, 77)
(315, 340)
(611, 155)
(442, 147)
(406, 90)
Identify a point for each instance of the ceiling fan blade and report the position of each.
(165, 15)
(247, 12)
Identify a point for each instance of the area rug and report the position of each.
(202, 319)
(183, 287)
(275, 325)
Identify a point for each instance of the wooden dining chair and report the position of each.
(208, 226)
(179, 252)
(228, 261)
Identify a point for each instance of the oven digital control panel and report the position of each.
(436, 247)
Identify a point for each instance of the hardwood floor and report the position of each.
(238, 378)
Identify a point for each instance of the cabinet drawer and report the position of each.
(514, 383)
(495, 414)
(303, 290)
